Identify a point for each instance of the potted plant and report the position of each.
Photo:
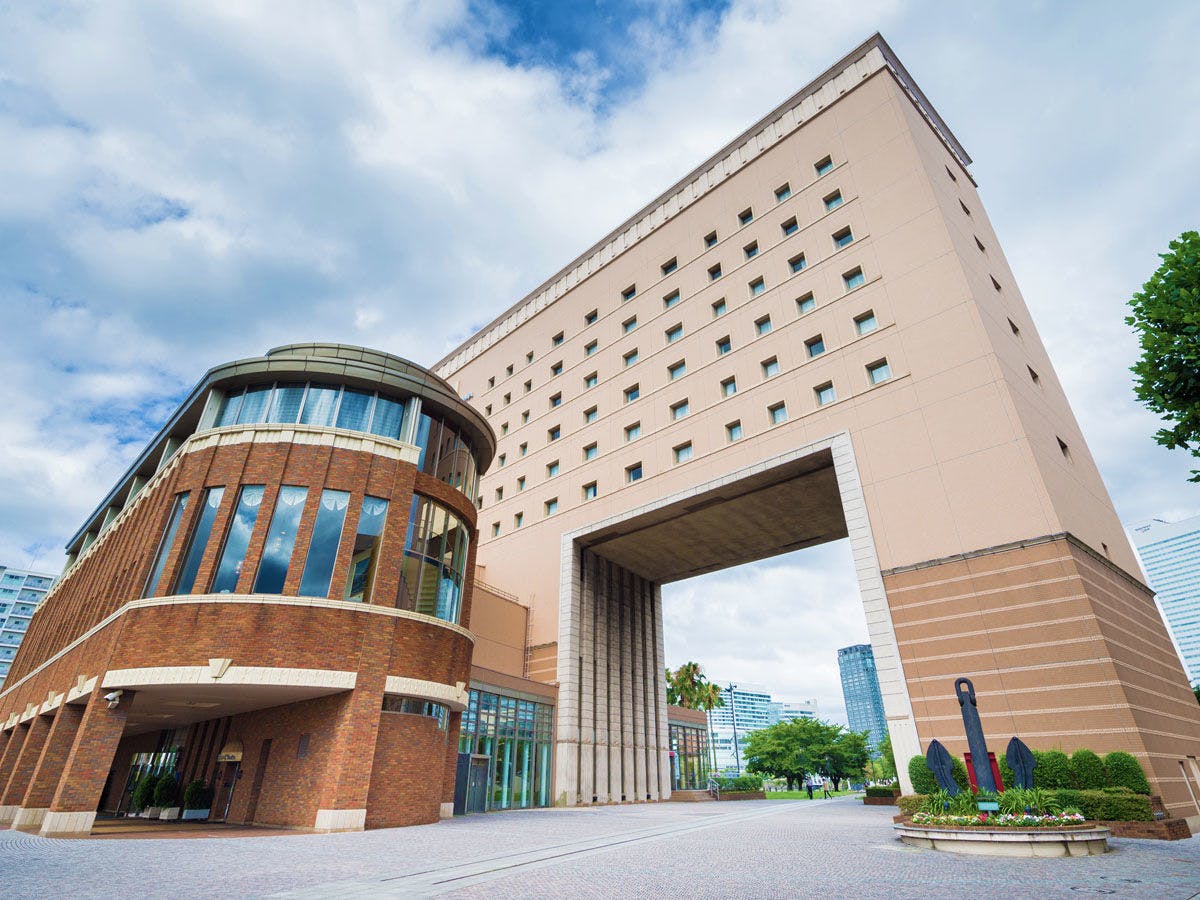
(197, 800)
(166, 794)
(143, 795)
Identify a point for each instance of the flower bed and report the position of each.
(998, 820)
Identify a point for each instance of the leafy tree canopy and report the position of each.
(803, 747)
(1166, 316)
(687, 686)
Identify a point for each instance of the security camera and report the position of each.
(113, 698)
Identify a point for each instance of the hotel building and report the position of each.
(350, 598)
(860, 690)
(1170, 554)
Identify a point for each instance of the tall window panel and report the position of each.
(435, 561)
(319, 405)
(371, 519)
(164, 546)
(323, 546)
(281, 540)
(285, 405)
(199, 540)
(233, 555)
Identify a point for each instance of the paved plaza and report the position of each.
(768, 848)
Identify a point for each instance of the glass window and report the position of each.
(824, 167)
(763, 325)
(552, 506)
(806, 304)
(834, 200)
(679, 410)
(285, 404)
(198, 541)
(724, 345)
(320, 404)
(815, 345)
(590, 451)
(633, 432)
(589, 491)
(770, 367)
(281, 540)
(745, 217)
(634, 472)
(881, 371)
(552, 469)
(388, 418)
(435, 562)
(629, 292)
(866, 323)
(323, 545)
(843, 238)
(556, 400)
(670, 266)
(683, 452)
(729, 387)
(632, 393)
(671, 299)
(790, 227)
(629, 324)
(354, 413)
(254, 405)
(590, 348)
(825, 394)
(631, 357)
(227, 413)
(782, 193)
(853, 278)
(778, 413)
(361, 579)
(757, 286)
(164, 546)
(674, 333)
(733, 431)
(591, 380)
(751, 250)
(715, 272)
(590, 415)
(589, 319)
(719, 308)
(677, 371)
(238, 539)
(554, 433)
(710, 240)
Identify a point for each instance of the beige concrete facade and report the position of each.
(847, 216)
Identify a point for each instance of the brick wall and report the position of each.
(405, 788)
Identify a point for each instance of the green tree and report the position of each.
(887, 756)
(1166, 316)
(688, 687)
(775, 752)
(1089, 770)
(802, 747)
(1125, 771)
(1196, 691)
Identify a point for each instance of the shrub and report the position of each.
(1125, 771)
(1089, 770)
(1068, 797)
(1053, 771)
(741, 783)
(1006, 774)
(886, 790)
(1121, 807)
(165, 790)
(143, 794)
(197, 795)
(923, 780)
(911, 803)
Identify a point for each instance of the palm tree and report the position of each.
(688, 687)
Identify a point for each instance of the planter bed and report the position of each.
(879, 801)
(742, 795)
(1159, 830)
(1068, 840)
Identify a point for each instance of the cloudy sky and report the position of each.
(182, 184)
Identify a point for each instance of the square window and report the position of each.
(678, 370)
(551, 506)
(521, 483)
(815, 345)
(629, 293)
(853, 278)
(763, 326)
(733, 431)
(719, 308)
(589, 349)
(751, 250)
(683, 452)
(1013, 327)
(777, 413)
(524, 448)
(770, 367)
(833, 201)
(556, 369)
(783, 192)
(634, 472)
(964, 207)
(590, 381)
(632, 393)
(552, 469)
(728, 387)
(590, 318)
(671, 299)
(790, 227)
(669, 266)
(631, 357)
(528, 386)
(499, 494)
(843, 238)
(633, 432)
(757, 286)
(866, 323)
(556, 340)
(724, 345)
(507, 399)
(504, 429)
(492, 381)
(1062, 446)
(487, 410)
(674, 333)
(502, 459)
(1033, 376)
(509, 369)
(880, 371)
(995, 283)
(824, 167)
(590, 452)
(590, 415)
(715, 272)
(495, 529)
(525, 417)
(806, 304)
(556, 400)
(628, 325)
(519, 519)
(589, 491)
(797, 263)
(679, 410)
(825, 393)
(554, 433)
(710, 240)
(746, 216)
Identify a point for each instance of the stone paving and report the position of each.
(770, 848)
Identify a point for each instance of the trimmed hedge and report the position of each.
(1053, 770)
(1125, 771)
(1124, 806)
(741, 783)
(165, 790)
(924, 782)
(881, 791)
(143, 794)
(1089, 770)
(911, 803)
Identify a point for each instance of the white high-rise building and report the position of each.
(747, 708)
(1170, 554)
(20, 594)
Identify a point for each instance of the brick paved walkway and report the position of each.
(768, 848)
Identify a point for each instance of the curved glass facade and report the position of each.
(517, 738)
(435, 561)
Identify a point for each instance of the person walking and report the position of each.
(808, 785)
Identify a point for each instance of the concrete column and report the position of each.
(615, 710)
(73, 806)
(663, 743)
(23, 767)
(566, 755)
(587, 684)
(12, 749)
(628, 783)
(59, 741)
(600, 681)
(637, 634)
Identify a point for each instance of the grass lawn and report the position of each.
(803, 795)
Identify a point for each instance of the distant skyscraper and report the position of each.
(20, 594)
(786, 710)
(747, 707)
(1170, 553)
(860, 687)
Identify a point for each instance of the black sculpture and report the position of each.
(1021, 761)
(941, 765)
(975, 740)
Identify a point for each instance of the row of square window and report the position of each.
(851, 279)
(814, 346)
(877, 373)
(791, 226)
